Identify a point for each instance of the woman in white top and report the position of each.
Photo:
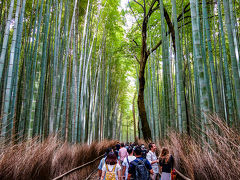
(127, 161)
(111, 169)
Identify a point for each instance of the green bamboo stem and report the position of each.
(235, 70)
(180, 88)
(198, 58)
(5, 39)
(8, 92)
(226, 68)
(210, 54)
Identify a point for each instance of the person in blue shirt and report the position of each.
(139, 161)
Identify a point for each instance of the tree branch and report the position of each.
(150, 11)
(136, 58)
(139, 4)
(155, 47)
(169, 23)
(144, 5)
(185, 17)
(156, 8)
(170, 27)
(134, 15)
(160, 42)
(133, 55)
(185, 10)
(135, 42)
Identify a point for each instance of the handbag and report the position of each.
(173, 174)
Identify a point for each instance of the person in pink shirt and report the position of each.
(122, 153)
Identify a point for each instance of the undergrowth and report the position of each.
(33, 160)
(212, 155)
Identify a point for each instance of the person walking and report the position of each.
(102, 162)
(166, 162)
(122, 153)
(152, 158)
(111, 169)
(118, 145)
(127, 161)
(140, 168)
(144, 151)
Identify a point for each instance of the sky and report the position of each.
(129, 18)
(124, 3)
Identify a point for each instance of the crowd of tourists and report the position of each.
(136, 162)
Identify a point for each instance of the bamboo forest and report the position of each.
(93, 72)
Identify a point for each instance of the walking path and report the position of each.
(94, 176)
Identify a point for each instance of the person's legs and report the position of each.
(158, 176)
(153, 176)
(121, 163)
(166, 176)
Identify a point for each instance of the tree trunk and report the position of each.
(134, 118)
(141, 106)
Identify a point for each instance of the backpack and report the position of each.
(110, 175)
(141, 171)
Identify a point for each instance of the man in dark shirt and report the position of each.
(144, 151)
(132, 165)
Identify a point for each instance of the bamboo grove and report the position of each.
(66, 68)
(60, 70)
(187, 61)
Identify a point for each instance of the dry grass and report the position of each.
(34, 160)
(218, 158)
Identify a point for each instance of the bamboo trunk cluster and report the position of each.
(54, 77)
(64, 67)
